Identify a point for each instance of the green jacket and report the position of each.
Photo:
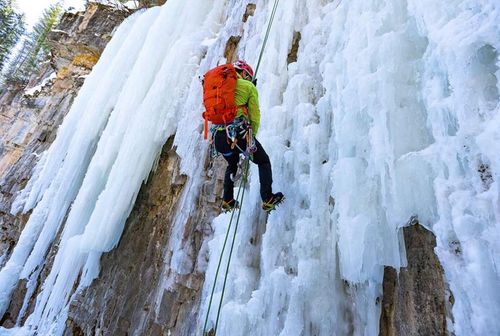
(246, 94)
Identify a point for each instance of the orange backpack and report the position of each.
(219, 86)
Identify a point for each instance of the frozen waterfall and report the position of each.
(390, 112)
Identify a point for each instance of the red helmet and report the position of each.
(242, 65)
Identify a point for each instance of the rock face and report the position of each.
(119, 301)
(79, 39)
(113, 304)
(417, 301)
(28, 122)
(151, 3)
(137, 291)
(128, 297)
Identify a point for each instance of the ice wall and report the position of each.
(105, 148)
(391, 111)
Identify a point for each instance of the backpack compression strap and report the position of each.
(205, 128)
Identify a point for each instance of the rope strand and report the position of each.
(242, 185)
(220, 261)
(245, 175)
(271, 19)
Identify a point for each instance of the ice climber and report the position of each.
(233, 139)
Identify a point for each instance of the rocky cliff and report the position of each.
(124, 299)
(30, 116)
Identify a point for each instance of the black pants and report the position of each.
(232, 157)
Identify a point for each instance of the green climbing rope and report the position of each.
(220, 260)
(241, 190)
(269, 25)
(242, 185)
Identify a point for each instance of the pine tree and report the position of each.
(11, 29)
(35, 48)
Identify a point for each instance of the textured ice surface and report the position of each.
(390, 111)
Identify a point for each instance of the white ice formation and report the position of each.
(390, 111)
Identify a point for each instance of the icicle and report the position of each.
(390, 111)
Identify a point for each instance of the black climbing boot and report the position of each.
(228, 206)
(272, 202)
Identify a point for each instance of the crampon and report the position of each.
(273, 202)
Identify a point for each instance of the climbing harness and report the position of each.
(239, 129)
(232, 133)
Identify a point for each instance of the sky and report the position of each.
(34, 8)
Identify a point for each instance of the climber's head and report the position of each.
(244, 69)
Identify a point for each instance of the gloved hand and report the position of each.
(254, 81)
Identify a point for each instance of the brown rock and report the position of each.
(415, 302)
(80, 38)
(28, 123)
(231, 47)
(249, 11)
(122, 300)
(113, 305)
(151, 3)
(292, 55)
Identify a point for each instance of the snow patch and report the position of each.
(38, 88)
